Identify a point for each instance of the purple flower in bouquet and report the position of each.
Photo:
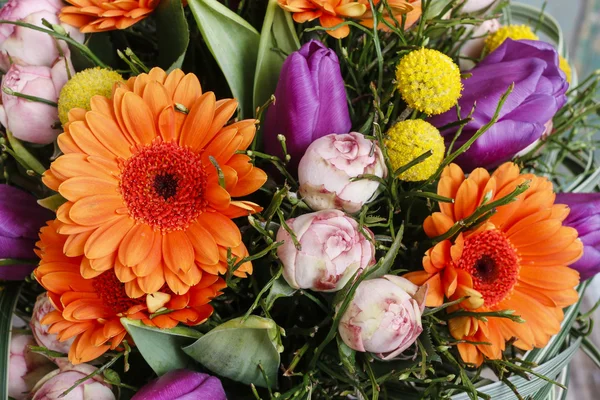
(182, 384)
(54, 384)
(539, 92)
(25, 368)
(585, 218)
(43, 307)
(384, 316)
(310, 101)
(24, 46)
(20, 220)
(32, 121)
(331, 250)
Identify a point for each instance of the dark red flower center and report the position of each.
(112, 293)
(493, 263)
(163, 185)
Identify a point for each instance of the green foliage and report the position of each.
(174, 34)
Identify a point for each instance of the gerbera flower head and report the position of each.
(84, 85)
(106, 15)
(89, 310)
(149, 176)
(515, 32)
(410, 139)
(517, 260)
(429, 81)
(408, 11)
(329, 12)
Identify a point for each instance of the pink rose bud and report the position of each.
(25, 368)
(384, 316)
(42, 307)
(25, 46)
(57, 382)
(326, 170)
(28, 120)
(331, 250)
(471, 6)
(473, 47)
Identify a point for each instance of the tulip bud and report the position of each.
(331, 251)
(25, 368)
(42, 307)
(384, 316)
(182, 384)
(310, 101)
(327, 170)
(585, 218)
(53, 385)
(29, 120)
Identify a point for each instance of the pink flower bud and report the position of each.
(331, 250)
(42, 307)
(28, 120)
(384, 316)
(60, 380)
(326, 170)
(474, 46)
(24, 46)
(25, 368)
(476, 5)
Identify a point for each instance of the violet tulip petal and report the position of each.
(182, 384)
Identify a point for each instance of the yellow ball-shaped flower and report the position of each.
(82, 87)
(566, 68)
(515, 32)
(408, 140)
(429, 81)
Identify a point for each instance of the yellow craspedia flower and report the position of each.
(408, 140)
(429, 81)
(82, 87)
(515, 32)
(566, 68)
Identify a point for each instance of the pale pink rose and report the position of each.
(331, 251)
(473, 48)
(476, 5)
(384, 316)
(25, 368)
(25, 46)
(42, 307)
(328, 166)
(28, 120)
(55, 383)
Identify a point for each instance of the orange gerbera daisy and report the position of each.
(90, 309)
(149, 176)
(329, 12)
(517, 260)
(410, 9)
(106, 15)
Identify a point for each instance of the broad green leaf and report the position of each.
(161, 348)
(8, 300)
(234, 44)
(277, 39)
(174, 34)
(236, 348)
(101, 45)
(436, 7)
(279, 289)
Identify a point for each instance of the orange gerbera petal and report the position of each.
(140, 167)
(90, 309)
(106, 15)
(517, 260)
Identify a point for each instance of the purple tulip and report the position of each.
(183, 385)
(20, 220)
(539, 93)
(585, 218)
(310, 101)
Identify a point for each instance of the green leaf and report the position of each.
(279, 289)
(8, 300)
(161, 348)
(236, 348)
(52, 202)
(277, 39)
(234, 44)
(174, 34)
(101, 45)
(435, 8)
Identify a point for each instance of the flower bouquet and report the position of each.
(293, 199)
